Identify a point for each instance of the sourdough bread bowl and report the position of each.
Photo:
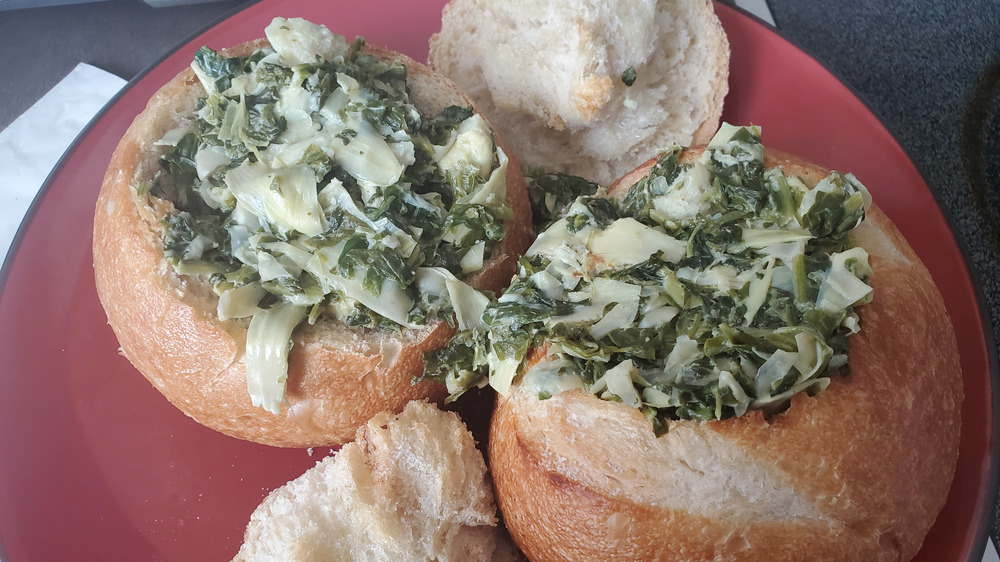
(596, 86)
(168, 319)
(856, 471)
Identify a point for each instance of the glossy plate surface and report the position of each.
(96, 465)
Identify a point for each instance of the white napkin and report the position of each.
(758, 8)
(991, 552)
(32, 145)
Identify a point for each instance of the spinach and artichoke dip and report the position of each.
(309, 186)
(710, 288)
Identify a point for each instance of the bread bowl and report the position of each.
(163, 301)
(596, 86)
(856, 468)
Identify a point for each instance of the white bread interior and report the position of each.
(549, 76)
(412, 486)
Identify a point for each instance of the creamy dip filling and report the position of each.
(711, 288)
(308, 186)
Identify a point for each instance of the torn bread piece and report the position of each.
(588, 88)
(413, 486)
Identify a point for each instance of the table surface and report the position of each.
(929, 70)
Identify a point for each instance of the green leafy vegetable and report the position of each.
(309, 183)
(220, 68)
(755, 308)
(629, 76)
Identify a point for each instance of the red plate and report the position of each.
(96, 465)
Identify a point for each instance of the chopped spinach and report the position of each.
(551, 194)
(733, 324)
(220, 68)
(438, 129)
(639, 199)
(379, 263)
(346, 120)
(629, 76)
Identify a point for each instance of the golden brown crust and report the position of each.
(167, 327)
(857, 472)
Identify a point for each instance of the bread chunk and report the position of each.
(412, 486)
(549, 75)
